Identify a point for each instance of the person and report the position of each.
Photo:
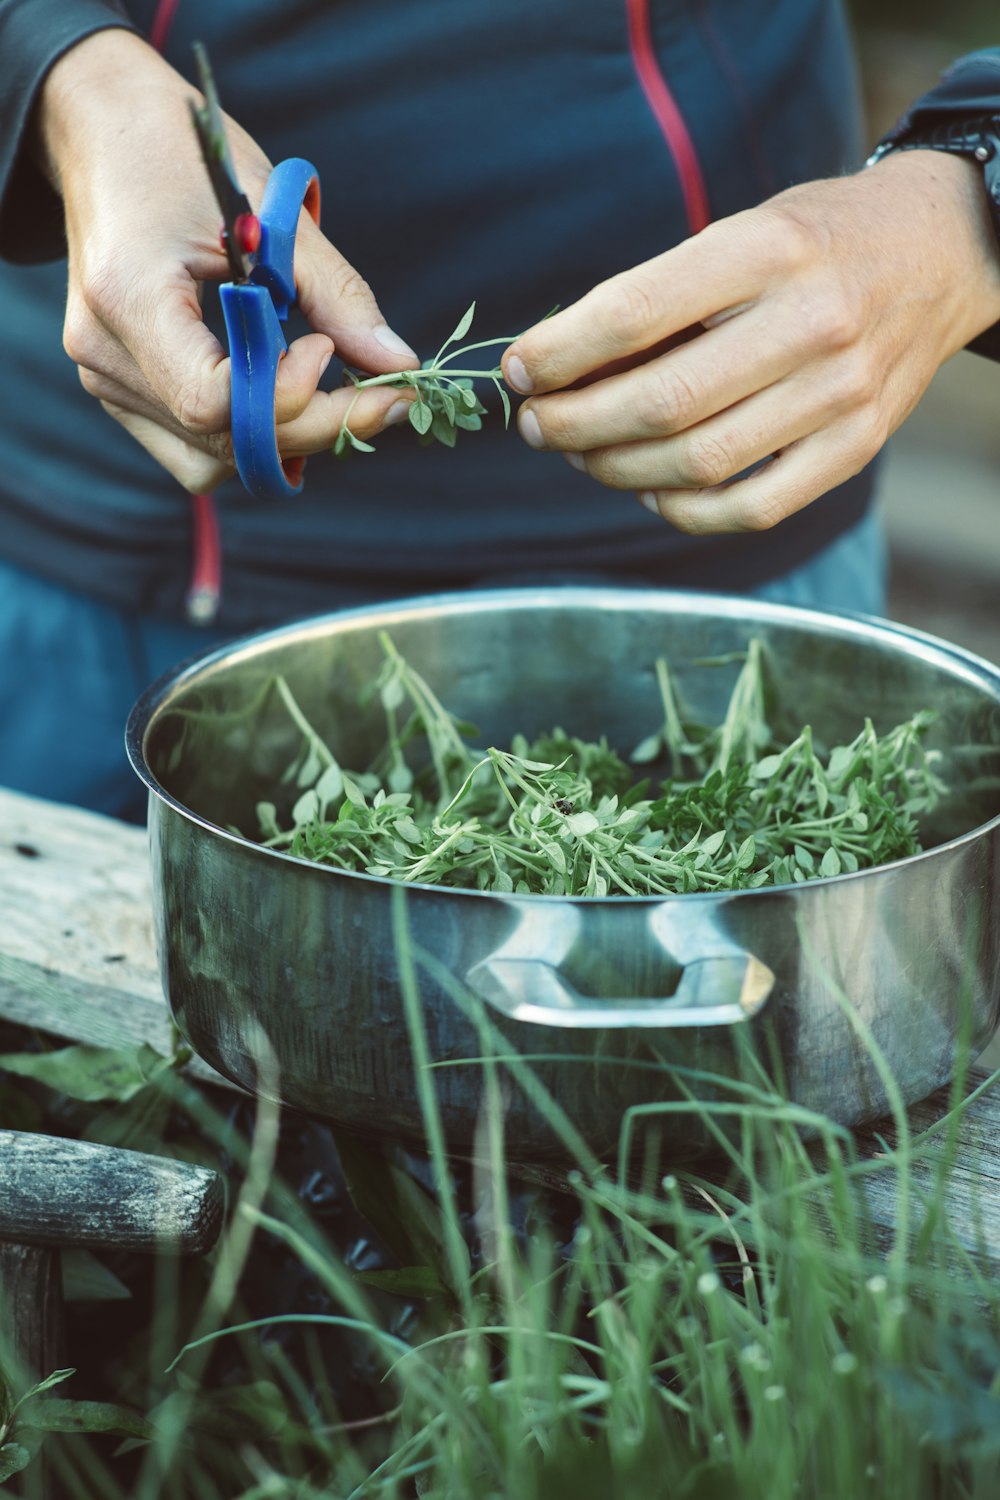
(741, 325)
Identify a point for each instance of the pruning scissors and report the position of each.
(260, 250)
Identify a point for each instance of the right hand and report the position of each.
(142, 228)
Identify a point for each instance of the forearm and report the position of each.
(34, 35)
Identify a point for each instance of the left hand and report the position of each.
(798, 335)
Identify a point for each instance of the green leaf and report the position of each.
(13, 1458)
(309, 769)
(54, 1415)
(462, 328)
(647, 749)
(505, 403)
(400, 777)
(90, 1074)
(401, 1213)
(420, 416)
(443, 429)
(56, 1378)
(746, 853)
(306, 808)
(330, 785)
(356, 442)
(830, 863)
(582, 823)
(353, 793)
(267, 818)
(136, 1125)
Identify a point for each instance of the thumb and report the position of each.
(336, 300)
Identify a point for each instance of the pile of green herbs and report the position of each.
(561, 816)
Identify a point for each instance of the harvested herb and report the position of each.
(562, 816)
(446, 400)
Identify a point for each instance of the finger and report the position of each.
(792, 480)
(299, 374)
(722, 268)
(135, 318)
(338, 301)
(367, 413)
(666, 395)
(125, 398)
(186, 365)
(717, 450)
(197, 471)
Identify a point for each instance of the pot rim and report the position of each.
(959, 661)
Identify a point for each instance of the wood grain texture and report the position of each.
(31, 1310)
(58, 1192)
(77, 957)
(971, 1157)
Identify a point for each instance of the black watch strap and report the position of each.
(978, 139)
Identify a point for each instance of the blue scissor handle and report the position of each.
(254, 312)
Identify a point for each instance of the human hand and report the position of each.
(142, 227)
(804, 332)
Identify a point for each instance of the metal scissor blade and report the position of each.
(211, 132)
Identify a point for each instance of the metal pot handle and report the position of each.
(720, 990)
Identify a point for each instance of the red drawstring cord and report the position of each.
(206, 570)
(162, 22)
(205, 585)
(669, 118)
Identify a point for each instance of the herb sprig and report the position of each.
(446, 399)
(563, 816)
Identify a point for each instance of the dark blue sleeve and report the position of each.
(34, 34)
(969, 89)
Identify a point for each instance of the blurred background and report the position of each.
(941, 478)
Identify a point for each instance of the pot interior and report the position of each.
(215, 737)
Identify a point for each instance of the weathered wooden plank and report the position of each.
(58, 1192)
(77, 957)
(971, 1198)
(31, 1309)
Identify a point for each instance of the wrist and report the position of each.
(97, 85)
(953, 201)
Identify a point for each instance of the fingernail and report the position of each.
(648, 499)
(518, 377)
(576, 461)
(384, 335)
(397, 412)
(529, 429)
(324, 364)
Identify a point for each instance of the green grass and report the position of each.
(646, 1331)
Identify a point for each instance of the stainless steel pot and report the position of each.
(619, 1001)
